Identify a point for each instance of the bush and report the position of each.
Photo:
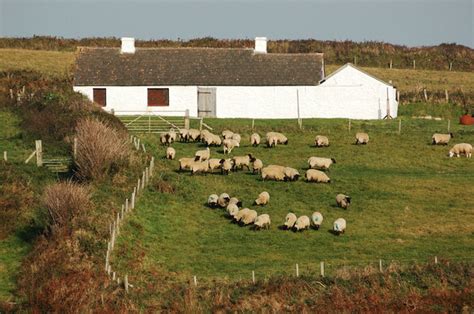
(100, 149)
(66, 201)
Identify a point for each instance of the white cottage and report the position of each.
(225, 83)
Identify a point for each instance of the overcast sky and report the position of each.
(412, 23)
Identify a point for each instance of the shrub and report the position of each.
(100, 148)
(65, 202)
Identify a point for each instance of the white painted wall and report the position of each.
(128, 100)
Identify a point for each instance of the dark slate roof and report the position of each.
(195, 66)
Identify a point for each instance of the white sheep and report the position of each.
(461, 149)
(343, 200)
(236, 201)
(199, 167)
(263, 198)
(243, 161)
(170, 153)
(184, 135)
(212, 139)
(194, 135)
(240, 214)
(227, 165)
(236, 137)
(185, 163)
(313, 175)
(212, 200)
(229, 145)
(226, 134)
(316, 220)
(203, 134)
(290, 220)
(272, 141)
(249, 217)
(321, 141)
(281, 139)
(362, 138)
(320, 162)
(339, 226)
(214, 163)
(441, 139)
(255, 139)
(202, 155)
(291, 174)
(257, 166)
(223, 200)
(262, 221)
(232, 210)
(301, 223)
(274, 172)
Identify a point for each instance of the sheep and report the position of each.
(362, 138)
(343, 201)
(301, 223)
(263, 198)
(441, 139)
(194, 134)
(164, 138)
(320, 163)
(291, 174)
(257, 166)
(214, 163)
(281, 139)
(339, 226)
(202, 155)
(212, 139)
(226, 165)
(274, 172)
(185, 163)
(255, 139)
(236, 137)
(249, 217)
(313, 175)
(232, 210)
(203, 134)
(462, 148)
(290, 220)
(321, 141)
(184, 135)
(235, 201)
(226, 134)
(212, 200)
(316, 220)
(172, 135)
(229, 145)
(238, 216)
(241, 161)
(170, 153)
(223, 200)
(262, 221)
(199, 167)
(272, 141)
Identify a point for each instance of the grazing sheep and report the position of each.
(212, 139)
(164, 138)
(255, 139)
(249, 217)
(321, 141)
(272, 141)
(316, 220)
(236, 137)
(441, 139)
(184, 135)
(203, 134)
(362, 138)
(301, 223)
(185, 163)
(212, 200)
(229, 145)
(240, 214)
(291, 174)
(320, 162)
(461, 149)
(214, 163)
(343, 200)
(262, 221)
(257, 166)
(339, 226)
(281, 139)
(194, 135)
(241, 161)
(202, 155)
(232, 210)
(262, 199)
(226, 134)
(236, 201)
(290, 220)
(223, 200)
(274, 172)
(170, 153)
(227, 165)
(199, 167)
(313, 175)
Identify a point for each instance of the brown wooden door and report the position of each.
(158, 97)
(100, 96)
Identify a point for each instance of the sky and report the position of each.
(406, 22)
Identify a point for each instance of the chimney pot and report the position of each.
(128, 45)
(260, 45)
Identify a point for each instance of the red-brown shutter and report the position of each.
(158, 97)
(100, 96)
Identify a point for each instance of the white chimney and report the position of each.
(128, 45)
(260, 44)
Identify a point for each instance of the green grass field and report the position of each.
(410, 202)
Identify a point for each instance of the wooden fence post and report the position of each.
(138, 185)
(152, 166)
(398, 95)
(436, 259)
(297, 271)
(125, 283)
(132, 205)
(186, 119)
(414, 64)
(126, 206)
(39, 153)
(399, 126)
(122, 212)
(253, 124)
(322, 269)
(195, 281)
(253, 276)
(446, 94)
(391, 63)
(74, 148)
(380, 265)
(117, 225)
(425, 94)
(449, 125)
(349, 125)
(200, 124)
(143, 181)
(450, 66)
(5, 155)
(143, 147)
(138, 144)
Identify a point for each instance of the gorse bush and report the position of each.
(101, 149)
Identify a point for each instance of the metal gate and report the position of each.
(206, 102)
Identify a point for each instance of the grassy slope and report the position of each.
(409, 202)
(60, 64)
